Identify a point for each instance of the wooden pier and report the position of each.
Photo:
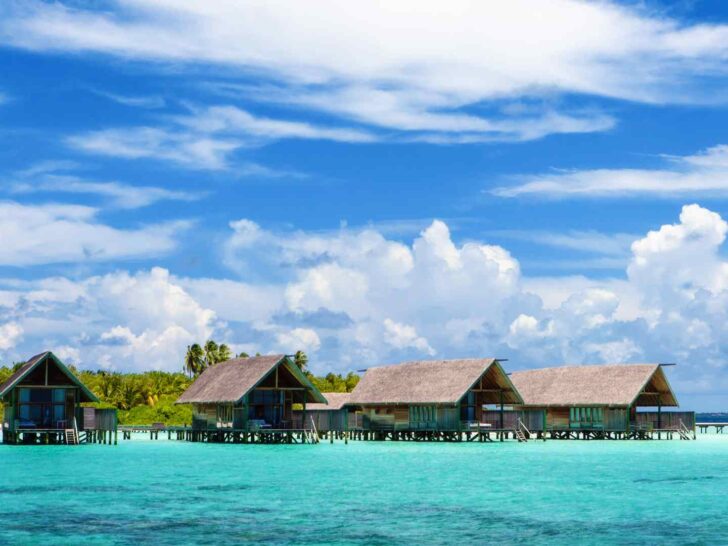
(705, 427)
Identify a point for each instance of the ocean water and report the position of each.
(555, 492)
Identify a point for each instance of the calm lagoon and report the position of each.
(555, 492)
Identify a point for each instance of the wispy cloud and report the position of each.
(592, 242)
(48, 177)
(137, 101)
(205, 138)
(385, 66)
(705, 173)
(192, 150)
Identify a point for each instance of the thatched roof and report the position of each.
(431, 382)
(229, 381)
(32, 363)
(599, 385)
(337, 400)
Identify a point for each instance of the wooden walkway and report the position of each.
(309, 436)
(705, 427)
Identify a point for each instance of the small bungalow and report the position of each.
(601, 399)
(249, 394)
(435, 395)
(42, 402)
(336, 416)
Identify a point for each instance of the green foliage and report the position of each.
(301, 360)
(334, 382)
(199, 357)
(164, 411)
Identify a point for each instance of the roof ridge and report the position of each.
(431, 361)
(582, 366)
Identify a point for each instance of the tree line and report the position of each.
(148, 397)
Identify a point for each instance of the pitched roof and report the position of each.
(430, 382)
(30, 365)
(229, 381)
(337, 400)
(605, 384)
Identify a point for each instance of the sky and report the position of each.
(544, 182)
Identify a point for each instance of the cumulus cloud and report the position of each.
(356, 298)
(10, 334)
(402, 336)
(705, 173)
(43, 234)
(118, 321)
(299, 338)
(455, 73)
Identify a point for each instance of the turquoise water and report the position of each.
(162, 492)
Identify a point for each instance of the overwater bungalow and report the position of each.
(251, 400)
(602, 401)
(436, 399)
(335, 416)
(42, 404)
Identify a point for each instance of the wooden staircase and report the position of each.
(522, 432)
(684, 432)
(72, 437)
(313, 435)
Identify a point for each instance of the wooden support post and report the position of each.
(659, 417)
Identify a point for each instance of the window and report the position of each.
(41, 408)
(586, 417)
(423, 415)
(467, 407)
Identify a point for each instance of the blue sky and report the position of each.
(368, 183)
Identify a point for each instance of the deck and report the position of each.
(705, 427)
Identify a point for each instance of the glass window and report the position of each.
(25, 395)
(40, 395)
(59, 395)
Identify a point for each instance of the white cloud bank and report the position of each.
(455, 72)
(355, 298)
(55, 233)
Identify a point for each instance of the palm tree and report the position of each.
(194, 360)
(129, 395)
(211, 353)
(301, 360)
(224, 353)
(108, 384)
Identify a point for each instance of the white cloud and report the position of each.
(420, 67)
(138, 101)
(403, 336)
(192, 150)
(42, 234)
(206, 138)
(299, 339)
(46, 178)
(10, 334)
(705, 173)
(117, 321)
(356, 298)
